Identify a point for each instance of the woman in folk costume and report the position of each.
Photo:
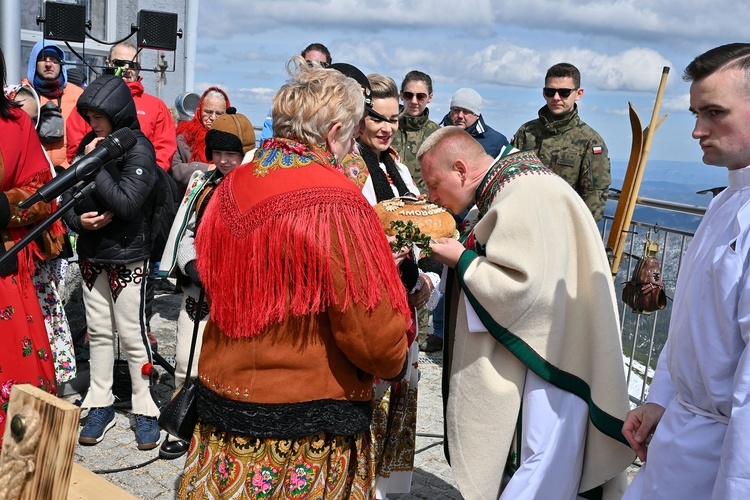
(231, 137)
(24, 347)
(306, 308)
(395, 419)
(191, 136)
(48, 272)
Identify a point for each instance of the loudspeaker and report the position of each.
(186, 104)
(64, 21)
(157, 30)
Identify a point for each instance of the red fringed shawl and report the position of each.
(24, 168)
(292, 239)
(194, 132)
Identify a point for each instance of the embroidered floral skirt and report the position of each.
(394, 429)
(25, 356)
(227, 466)
(55, 321)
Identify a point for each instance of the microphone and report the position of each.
(113, 146)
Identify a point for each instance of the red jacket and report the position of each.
(153, 116)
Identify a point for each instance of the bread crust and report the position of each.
(432, 220)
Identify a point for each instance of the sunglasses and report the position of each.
(564, 93)
(322, 64)
(408, 96)
(121, 63)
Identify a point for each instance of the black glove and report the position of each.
(192, 273)
(4, 210)
(12, 266)
(409, 274)
(430, 265)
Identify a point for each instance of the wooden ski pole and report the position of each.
(632, 184)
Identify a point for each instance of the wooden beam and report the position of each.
(38, 444)
(85, 485)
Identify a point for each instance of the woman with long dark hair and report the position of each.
(24, 347)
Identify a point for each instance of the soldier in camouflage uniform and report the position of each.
(564, 143)
(414, 124)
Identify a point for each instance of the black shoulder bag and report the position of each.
(180, 415)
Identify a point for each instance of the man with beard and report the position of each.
(49, 77)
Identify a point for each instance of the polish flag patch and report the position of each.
(597, 150)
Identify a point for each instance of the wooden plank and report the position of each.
(618, 230)
(85, 485)
(50, 429)
(633, 177)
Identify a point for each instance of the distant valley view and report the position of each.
(674, 181)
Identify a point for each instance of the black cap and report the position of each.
(353, 72)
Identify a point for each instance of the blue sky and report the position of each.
(500, 48)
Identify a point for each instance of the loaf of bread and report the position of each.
(432, 220)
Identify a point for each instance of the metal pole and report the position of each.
(10, 38)
(191, 42)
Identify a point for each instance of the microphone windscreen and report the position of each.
(119, 141)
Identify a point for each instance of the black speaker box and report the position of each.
(157, 30)
(64, 21)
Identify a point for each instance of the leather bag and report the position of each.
(645, 291)
(180, 415)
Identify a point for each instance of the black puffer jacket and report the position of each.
(124, 186)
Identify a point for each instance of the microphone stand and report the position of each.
(82, 190)
(80, 193)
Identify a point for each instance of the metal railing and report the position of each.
(643, 335)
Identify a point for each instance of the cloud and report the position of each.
(667, 21)
(704, 20)
(263, 93)
(637, 69)
(248, 55)
(616, 111)
(509, 64)
(678, 104)
(235, 16)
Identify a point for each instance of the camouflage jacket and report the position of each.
(572, 150)
(412, 131)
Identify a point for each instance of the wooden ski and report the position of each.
(633, 176)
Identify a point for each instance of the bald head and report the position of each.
(125, 56)
(453, 164)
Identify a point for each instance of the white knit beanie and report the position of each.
(467, 99)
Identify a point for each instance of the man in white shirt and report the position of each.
(695, 428)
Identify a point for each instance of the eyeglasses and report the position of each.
(564, 93)
(322, 64)
(408, 96)
(121, 63)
